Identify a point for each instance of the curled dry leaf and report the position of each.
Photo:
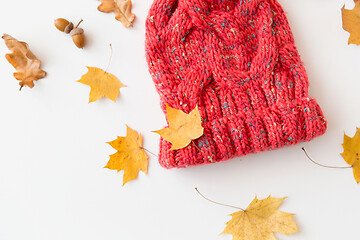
(351, 153)
(130, 156)
(183, 128)
(260, 220)
(121, 8)
(351, 22)
(103, 84)
(24, 61)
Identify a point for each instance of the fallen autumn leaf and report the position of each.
(103, 84)
(24, 61)
(130, 156)
(183, 128)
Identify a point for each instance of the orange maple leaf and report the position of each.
(351, 22)
(351, 153)
(130, 156)
(103, 84)
(183, 128)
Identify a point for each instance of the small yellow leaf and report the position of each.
(121, 8)
(130, 156)
(260, 220)
(103, 84)
(351, 22)
(182, 127)
(351, 153)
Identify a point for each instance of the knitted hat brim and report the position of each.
(282, 124)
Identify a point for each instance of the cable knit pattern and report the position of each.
(236, 60)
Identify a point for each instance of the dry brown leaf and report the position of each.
(121, 8)
(351, 153)
(260, 220)
(183, 128)
(24, 61)
(103, 84)
(130, 156)
(351, 22)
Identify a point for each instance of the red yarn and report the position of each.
(237, 61)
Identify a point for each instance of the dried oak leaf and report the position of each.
(130, 156)
(24, 61)
(121, 8)
(351, 153)
(102, 84)
(260, 220)
(351, 22)
(183, 128)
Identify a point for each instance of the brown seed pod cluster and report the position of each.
(77, 34)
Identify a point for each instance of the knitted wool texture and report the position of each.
(236, 60)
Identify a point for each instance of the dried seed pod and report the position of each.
(78, 37)
(63, 25)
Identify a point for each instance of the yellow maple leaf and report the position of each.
(351, 153)
(351, 22)
(183, 128)
(260, 220)
(121, 8)
(130, 156)
(103, 84)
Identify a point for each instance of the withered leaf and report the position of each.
(260, 220)
(121, 8)
(24, 61)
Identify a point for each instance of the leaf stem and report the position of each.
(150, 152)
(217, 202)
(111, 53)
(321, 165)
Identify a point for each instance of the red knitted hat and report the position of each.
(236, 60)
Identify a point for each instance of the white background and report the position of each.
(52, 142)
